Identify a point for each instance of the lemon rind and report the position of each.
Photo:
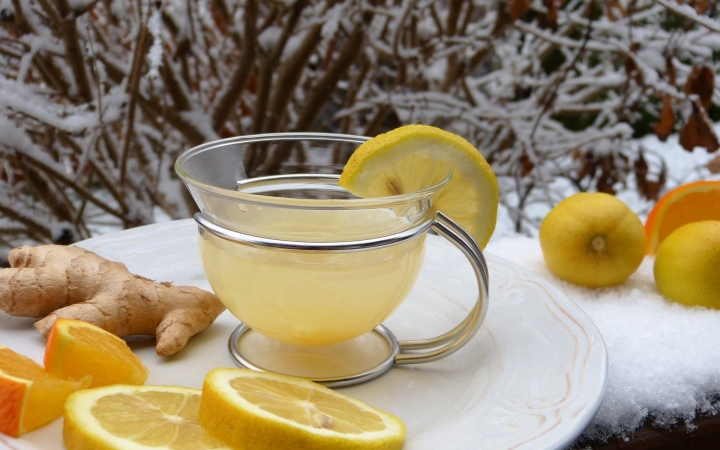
(219, 381)
(464, 158)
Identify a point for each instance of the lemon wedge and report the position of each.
(256, 411)
(125, 417)
(406, 159)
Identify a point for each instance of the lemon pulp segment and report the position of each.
(136, 418)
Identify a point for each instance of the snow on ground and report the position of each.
(663, 357)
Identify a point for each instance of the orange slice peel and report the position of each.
(76, 349)
(692, 202)
(29, 396)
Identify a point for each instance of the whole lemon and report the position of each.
(592, 239)
(687, 265)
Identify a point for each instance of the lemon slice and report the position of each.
(405, 159)
(254, 411)
(125, 417)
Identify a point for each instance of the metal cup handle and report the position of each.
(410, 352)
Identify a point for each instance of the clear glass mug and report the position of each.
(300, 260)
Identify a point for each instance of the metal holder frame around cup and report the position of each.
(401, 352)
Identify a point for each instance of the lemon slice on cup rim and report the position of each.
(405, 159)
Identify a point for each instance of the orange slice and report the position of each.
(692, 202)
(29, 397)
(76, 349)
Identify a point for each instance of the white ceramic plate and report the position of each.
(532, 378)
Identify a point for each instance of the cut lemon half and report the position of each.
(124, 417)
(406, 159)
(256, 411)
(29, 397)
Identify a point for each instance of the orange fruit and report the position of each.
(76, 349)
(692, 202)
(29, 396)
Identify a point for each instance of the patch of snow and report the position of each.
(332, 21)
(155, 53)
(269, 37)
(437, 70)
(663, 357)
(652, 58)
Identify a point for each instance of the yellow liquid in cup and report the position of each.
(310, 297)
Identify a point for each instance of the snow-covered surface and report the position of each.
(664, 358)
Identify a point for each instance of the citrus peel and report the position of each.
(692, 202)
(29, 396)
(592, 239)
(257, 411)
(687, 265)
(411, 158)
(76, 349)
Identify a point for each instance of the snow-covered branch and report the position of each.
(98, 98)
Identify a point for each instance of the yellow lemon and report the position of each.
(126, 417)
(406, 159)
(687, 265)
(258, 411)
(592, 239)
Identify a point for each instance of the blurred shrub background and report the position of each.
(98, 97)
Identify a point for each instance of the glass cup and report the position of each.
(299, 259)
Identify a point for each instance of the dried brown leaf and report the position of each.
(526, 166)
(640, 168)
(518, 8)
(700, 5)
(608, 174)
(670, 67)
(549, 20)
(714, 165)
(701, 82)
(666, 125)
(699, 131)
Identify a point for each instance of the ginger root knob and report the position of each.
(53, 281)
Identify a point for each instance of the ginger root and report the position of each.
(54, 281)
